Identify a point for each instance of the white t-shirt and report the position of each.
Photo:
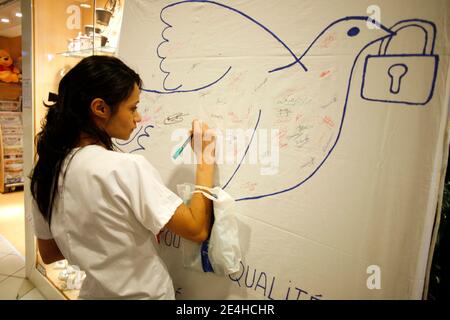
(110, 207)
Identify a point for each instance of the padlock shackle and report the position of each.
(428, 27)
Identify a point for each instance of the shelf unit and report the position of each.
(110, 51)
(11, 137)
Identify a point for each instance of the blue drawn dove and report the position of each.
(296, 101)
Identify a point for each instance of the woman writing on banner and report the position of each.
(101, 209)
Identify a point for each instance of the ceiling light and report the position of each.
(19, 14)
(5, 20)
(85, 5)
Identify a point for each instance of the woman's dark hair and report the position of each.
(103, 77)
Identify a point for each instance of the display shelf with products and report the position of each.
(10, 91)
(110, 51)
(100, 37)
(11, 145)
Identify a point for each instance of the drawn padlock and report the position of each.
(405, 78)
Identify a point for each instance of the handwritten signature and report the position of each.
(175, 118)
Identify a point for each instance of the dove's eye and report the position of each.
(353, 32)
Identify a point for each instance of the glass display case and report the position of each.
(56, 36)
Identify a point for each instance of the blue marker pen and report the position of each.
(180, 149)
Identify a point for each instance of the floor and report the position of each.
(13, 283)
(12, 219)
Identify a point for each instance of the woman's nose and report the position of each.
(138, 117)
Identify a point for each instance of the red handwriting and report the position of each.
(250, 186)
(234, 117)
(282, 135)
(327, 41)
(325, 73)
(327, 120)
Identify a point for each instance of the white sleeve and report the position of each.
(41, 227)
(152, 202)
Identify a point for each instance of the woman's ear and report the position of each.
(100, 109)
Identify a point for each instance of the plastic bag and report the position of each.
(221, 253)
(71, 276)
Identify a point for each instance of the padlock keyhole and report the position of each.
(397, 72)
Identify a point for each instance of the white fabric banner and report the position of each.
(331, 121)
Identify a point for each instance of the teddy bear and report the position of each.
(8, 72)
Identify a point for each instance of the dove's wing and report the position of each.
(202, 41)
(193, 53)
